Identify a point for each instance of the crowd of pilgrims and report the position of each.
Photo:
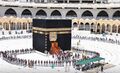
(15, 37)
(16, 32)
(88, 66)
(93, 54)
(11, 57)
(95, 38)
(63, 59)
(3, 37)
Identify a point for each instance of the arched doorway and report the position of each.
(119, 29)
(10, 12)
(19, 26)
(30, 25)
(81, 26)
(114, 28)
(75, 24)
(24, 25)
(6, 26)
(92, 27)
(41, 13)
(103, 28)
(87, 26)
(108, 28)
(98, 28)
(116, 14)
(1, 26)
(87, 14)
(12, 26)
(26, 13)
(102, 14)
(56, 13)
(71, 13)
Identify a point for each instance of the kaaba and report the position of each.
(51, 35)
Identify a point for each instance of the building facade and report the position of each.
(97, 26)
(59, 9)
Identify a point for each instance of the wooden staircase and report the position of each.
(55, 49)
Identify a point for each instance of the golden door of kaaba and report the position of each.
(51, 35)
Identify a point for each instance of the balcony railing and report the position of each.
(40, 16)
(102, 17)
(74, 1)
(116, 18)
(26, 16)
(10, 15)
(87, 17)
(56, 17)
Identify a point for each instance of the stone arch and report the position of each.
(30, 25)
(119, 29)
(12, 26)
(19, 26)
(92, 27)
(24, 25)
(98, 28)
(71, 13)
(10, 12)
(1, 26)
(26, 13)
(75, 24)
(116, 14)
(108, 28)
(41, 13)
(87, 14)
(87, 26)
(102, 14)
(6, 26)
(103, 28)
(56, 13)
(114, 28)
(81, 26)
